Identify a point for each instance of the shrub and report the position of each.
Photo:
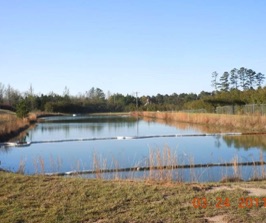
(22, 109)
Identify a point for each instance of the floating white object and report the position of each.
(23, 144)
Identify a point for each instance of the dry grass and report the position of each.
(10, 125)
(156, 198)
(57, 199)
(160, 166)
(249, 123)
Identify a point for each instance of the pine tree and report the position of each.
(259, 79)
(215, 84)
(234, 78)
(224, 81)
(242, 74)
(22, 109)
(251, 75)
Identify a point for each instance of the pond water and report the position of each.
(67, 143)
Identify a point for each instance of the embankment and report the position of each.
(11, 126)
(247, 123)
(67, 199)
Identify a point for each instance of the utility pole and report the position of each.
(137, 105)
(137, 108)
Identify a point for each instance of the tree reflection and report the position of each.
(246, 141)
(237, 141)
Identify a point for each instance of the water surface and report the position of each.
(114, 153)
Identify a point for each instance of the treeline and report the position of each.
(237, 87)
(233, 97)
(239, 79)
(93, 100)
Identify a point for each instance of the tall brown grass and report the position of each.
(250, 123)
(236, 169)
(39, 165)
(161, 166)
(263, 174)
(10, 125)
(97, 166)
(21, 168)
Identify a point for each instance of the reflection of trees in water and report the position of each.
(246, 141)
(88, 126)
(93, 119)
(218, 141)
(5, 149)
(51, 128)
(188, 126)
(242, 141)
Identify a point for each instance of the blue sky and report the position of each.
(123, 46)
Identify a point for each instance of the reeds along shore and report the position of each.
(250, 123)
(11, 126)
(161, 165)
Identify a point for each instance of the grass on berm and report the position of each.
(60, 199)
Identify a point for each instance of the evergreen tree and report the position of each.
(251, 75)
(215, 84)
(243, 78)
(224, 81)
(259, 79)
(234, 78)
(22, 109)
(2, 92)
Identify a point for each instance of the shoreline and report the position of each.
(250, 123)
(8, 136)
(57, 198)
(34, 118)
(15, 126)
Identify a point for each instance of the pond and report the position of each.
(67, 143)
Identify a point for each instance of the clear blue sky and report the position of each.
(122, 46)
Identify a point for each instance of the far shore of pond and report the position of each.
(13, 127)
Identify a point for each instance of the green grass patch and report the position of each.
(61, 199)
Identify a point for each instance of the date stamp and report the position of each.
(243, 202)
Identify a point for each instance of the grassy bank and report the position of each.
(11, 126)
(248, 123)
(57, 199)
